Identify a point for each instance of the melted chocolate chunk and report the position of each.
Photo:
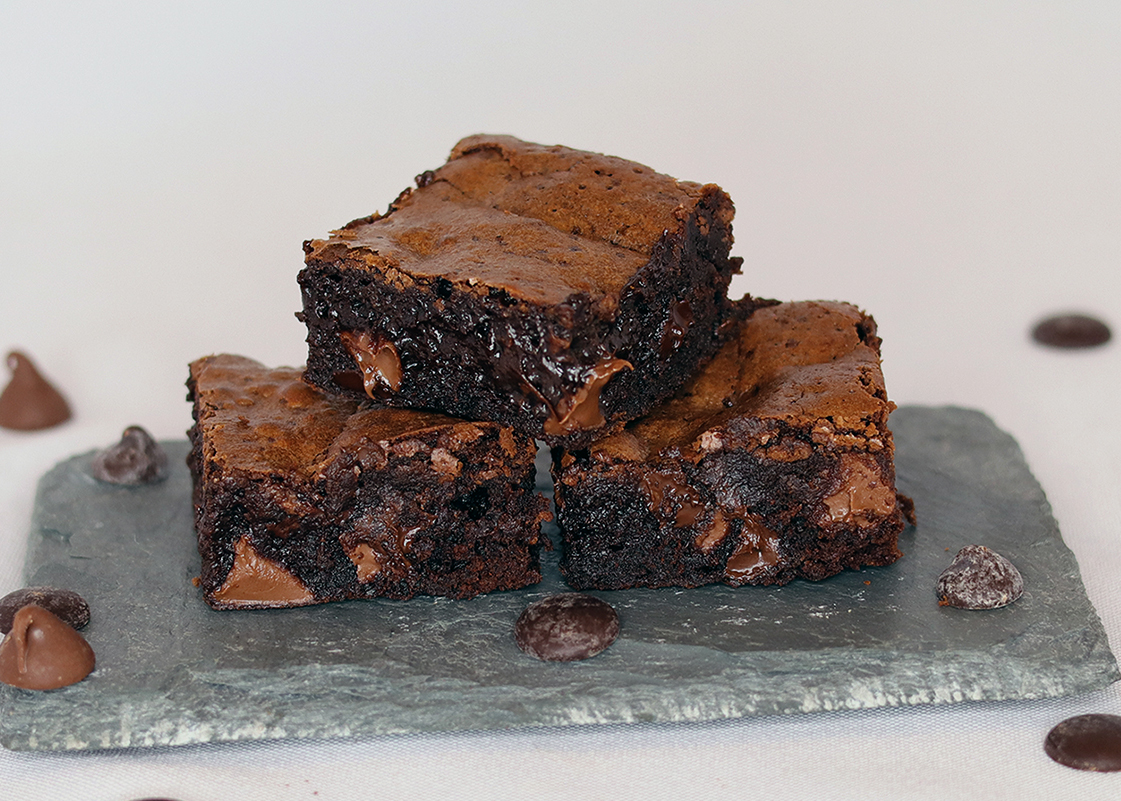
(136, 459)
(69, 606)
(1071, 331)
(29, 402)
(685, 502)
(41, 652)
(566, 627)
(1086, 742)
(377, 359)
(979, 578)
(582, 411)
(680, 318)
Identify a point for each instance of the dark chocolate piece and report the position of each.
(136, 459)
(41, 652)
(302, 498)
(556, 291)
(1071, 331)
(68, 605)
(979, 578)
(566, 627)
(774, 462)
(29, 402)
(1086, 742)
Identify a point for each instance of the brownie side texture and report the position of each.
(301, 498)
(553, 290)
(775, 462)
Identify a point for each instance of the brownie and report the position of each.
(552, 290)
(302, 498)
(774, 462)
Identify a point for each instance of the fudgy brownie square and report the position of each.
(553, 290)
(774, 462)
(301, 498)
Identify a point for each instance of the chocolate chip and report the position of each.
(29, 402)
(136, 459)
(979, 578)
(566, 627)
(66, 604)
(1086, 742)
(1071, 331)
(41, 652)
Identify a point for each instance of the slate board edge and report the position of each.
(322, 715)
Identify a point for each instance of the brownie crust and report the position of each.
(553, 290)
(302, 498)
(775, 462)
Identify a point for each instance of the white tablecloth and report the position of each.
(954, 168)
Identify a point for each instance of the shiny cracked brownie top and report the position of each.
(809, 366)
(267, 420)
(541, 223)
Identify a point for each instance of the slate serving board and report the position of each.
(171, 671)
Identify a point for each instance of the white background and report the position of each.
(952, 167)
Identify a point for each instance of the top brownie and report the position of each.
(553, 290)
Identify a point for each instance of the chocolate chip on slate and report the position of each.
(136, 459)
(66, 604)
(41, 652)
(979, 578)
(1086, 742)
(566, 627)
(29, 402)
(1071, 331)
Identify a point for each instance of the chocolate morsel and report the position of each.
(979, 578)
(1071, 331)
(566, 627)
(67, 605)
(136, 459)
(43, 653)
(1086, 742)
(29, 402)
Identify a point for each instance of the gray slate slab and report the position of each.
(171, 671)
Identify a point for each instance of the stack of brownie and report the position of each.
(520, 293)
